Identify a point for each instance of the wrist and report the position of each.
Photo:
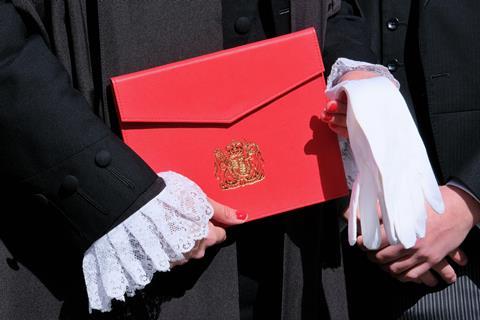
(358, 75)
(465, 204)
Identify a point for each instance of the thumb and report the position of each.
(226, 215)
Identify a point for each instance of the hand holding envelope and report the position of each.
(222, 216)
(394, 170)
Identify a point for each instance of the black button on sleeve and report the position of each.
(69, 185)
(243, 25)
(393, 24)
(103, 158)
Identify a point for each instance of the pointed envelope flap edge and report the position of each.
(221, 87)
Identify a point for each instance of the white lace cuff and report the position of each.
(152, 239)
(344, 65)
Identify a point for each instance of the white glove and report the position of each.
(394, 171)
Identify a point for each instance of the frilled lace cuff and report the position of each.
(339, 68)
(344, 65)
(153, 239)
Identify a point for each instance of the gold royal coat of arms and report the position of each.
(238, 165)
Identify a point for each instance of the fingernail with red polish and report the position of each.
(241, 215)
(333, 107)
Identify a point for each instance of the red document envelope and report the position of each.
(242, 123)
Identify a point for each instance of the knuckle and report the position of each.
(411, 276)
(408, 278)
(433, 259)
(210, 238)
(210, 241)
(394, 269)
(179, 262)
(198, 243)
(379, 257)
(199, 254)
(423, 255)
(222, 238)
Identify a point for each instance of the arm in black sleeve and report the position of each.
(348, 36)
(63, 172)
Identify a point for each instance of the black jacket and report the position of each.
(432, 48)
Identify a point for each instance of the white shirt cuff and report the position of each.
(460, 185)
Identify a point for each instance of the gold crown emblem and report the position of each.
(238, 165)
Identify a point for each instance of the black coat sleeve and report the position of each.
(66, 179)
(347, 36)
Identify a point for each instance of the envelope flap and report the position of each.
(221, 87)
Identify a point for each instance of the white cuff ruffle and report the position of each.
(344, 65)
(152, 239)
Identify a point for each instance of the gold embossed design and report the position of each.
(238, 165)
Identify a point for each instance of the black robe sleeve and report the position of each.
(66, 180)
(347, 36)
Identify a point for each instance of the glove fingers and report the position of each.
(387, 221)
(426, 176)
(352, 213)
(357, 188)
(418, 204)
(405, 216)
(385, 139)
(368, 212)
(431, 191)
